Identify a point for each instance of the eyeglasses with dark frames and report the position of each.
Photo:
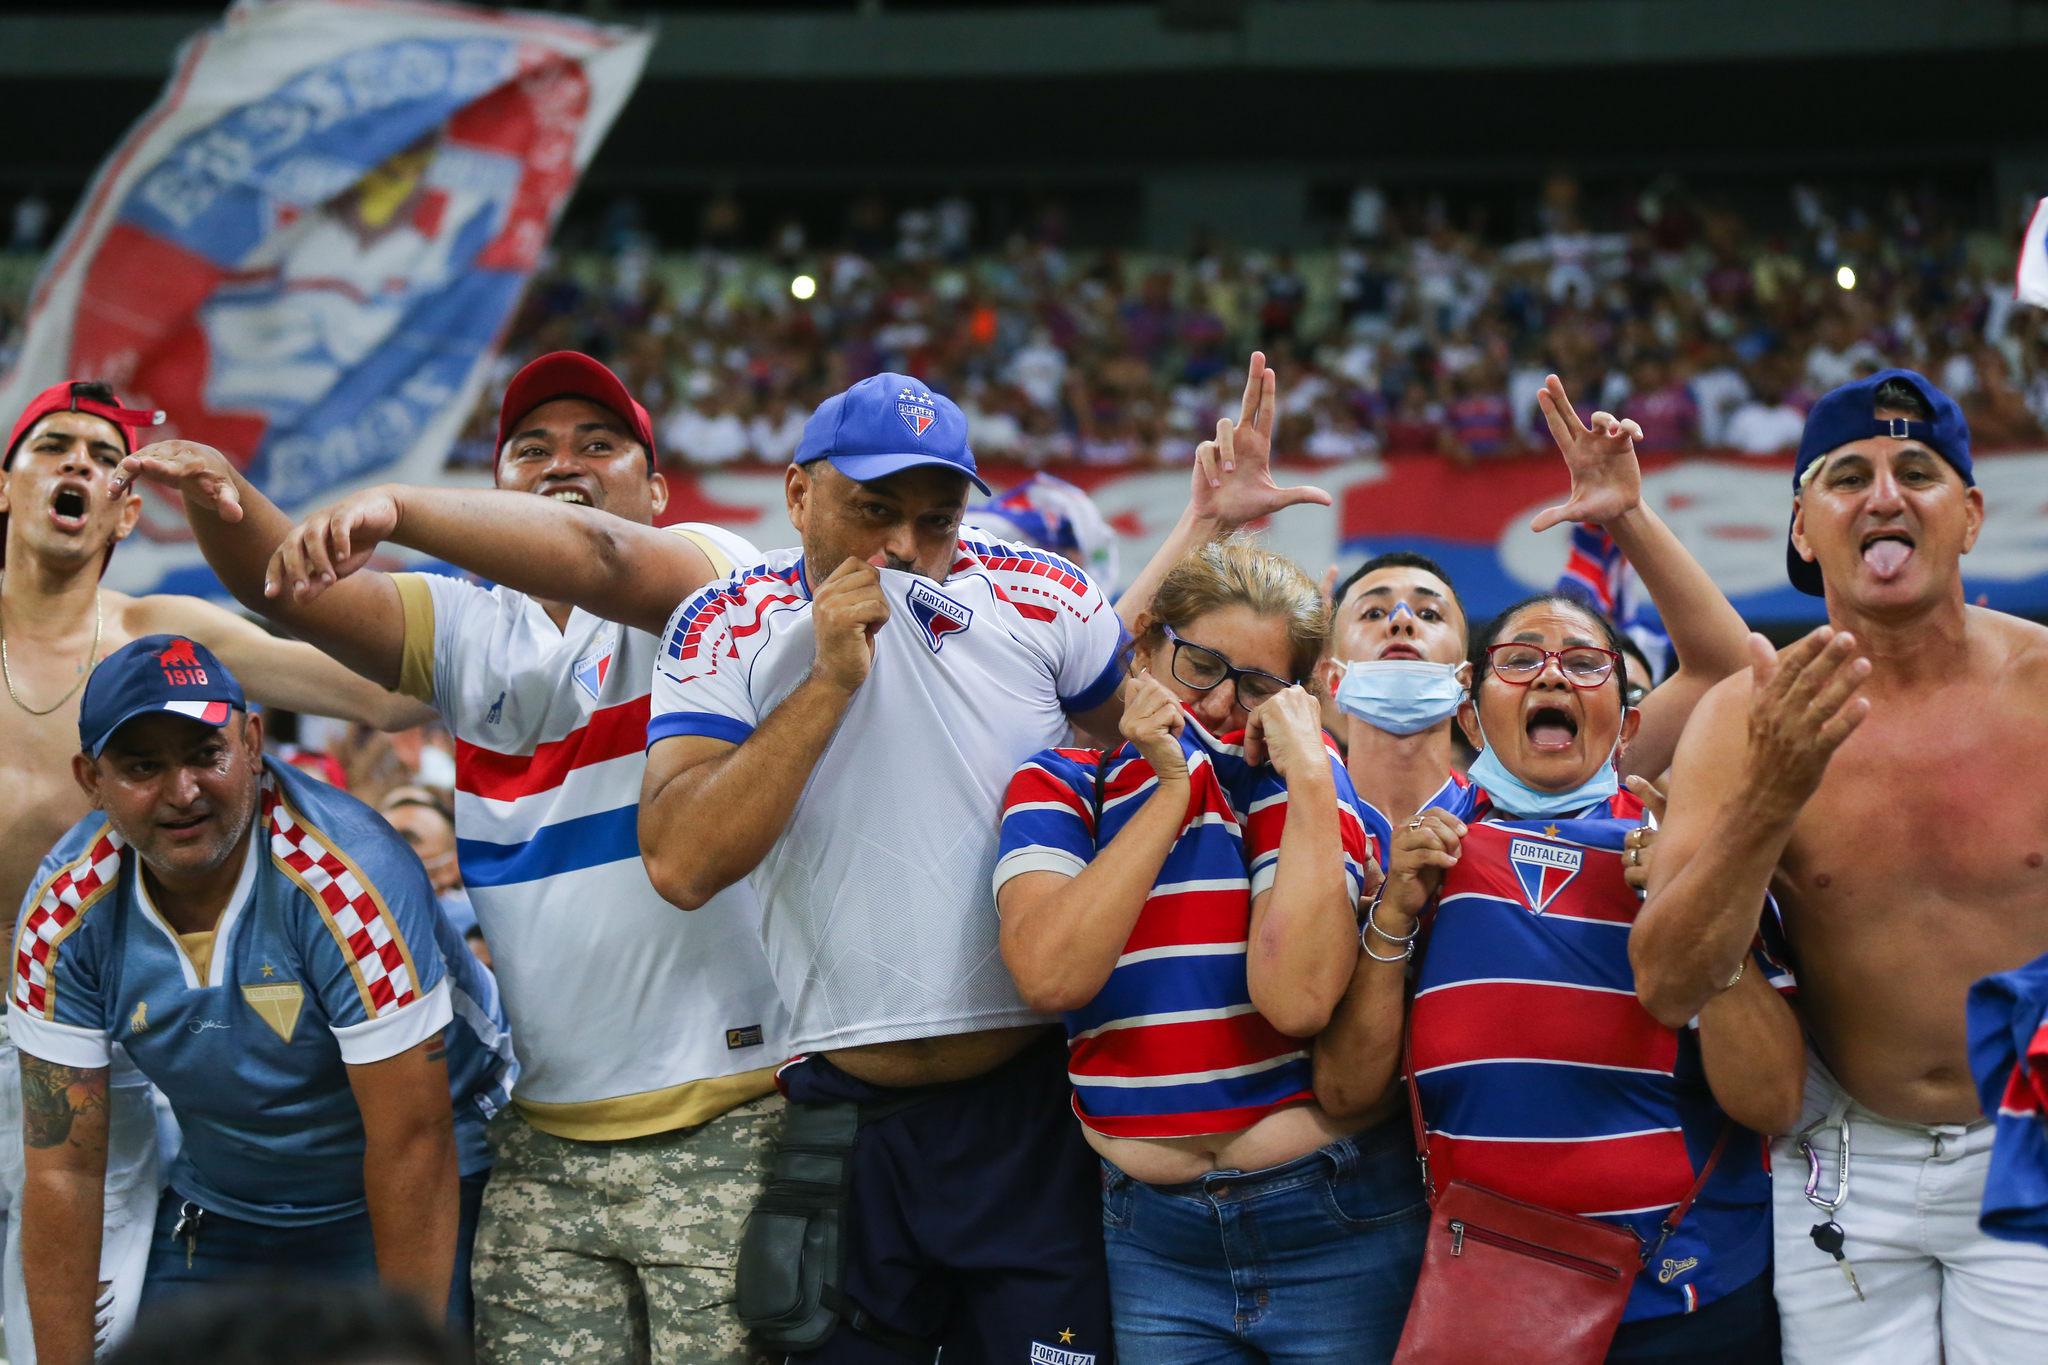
(1205, 670)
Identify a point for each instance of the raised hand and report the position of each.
(1606, 480)
(1286, 730)
(1802, 706)
(330, 545)
(1638, 844)
(846, 611)
(1233, 476)
(201, 475)
(1424, 849)
(1153, 721)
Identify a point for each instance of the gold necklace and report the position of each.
(99, 620)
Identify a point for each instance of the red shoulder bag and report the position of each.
(1500, 1275)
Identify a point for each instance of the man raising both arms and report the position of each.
(60, 520)
(644, 1107)
(1880, 778)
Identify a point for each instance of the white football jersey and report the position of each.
(876, 907)
(629, 1016)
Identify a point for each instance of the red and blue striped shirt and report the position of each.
(1544, 1079)
(1172, 1046)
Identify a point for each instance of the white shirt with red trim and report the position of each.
(876, 901)
(621, 1004)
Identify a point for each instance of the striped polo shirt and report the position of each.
(1173, 1046)
(1542, 1076)
(629, 1016)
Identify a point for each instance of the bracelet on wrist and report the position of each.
(1405, 944)
(1407, 951)
(1372, 924)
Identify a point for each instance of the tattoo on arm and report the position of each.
(437, 1050)
(53, 1096)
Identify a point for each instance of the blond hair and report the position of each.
(1238, 572)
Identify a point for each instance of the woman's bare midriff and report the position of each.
(1280, 1137)
(935, 1061)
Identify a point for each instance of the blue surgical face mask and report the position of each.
(1513, 796)
(1401, 696)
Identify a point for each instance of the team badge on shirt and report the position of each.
(592, 669)
(277, 1006)
(914, 406)
(937, 615)
(1543, 869)
(1042, 1354)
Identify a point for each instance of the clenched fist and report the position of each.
(1424, 849)
(846, 611)
(1153, 721)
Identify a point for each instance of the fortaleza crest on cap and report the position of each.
(937, 615)
(1543, 869)
(914, 406)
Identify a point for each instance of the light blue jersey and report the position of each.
(330, 953)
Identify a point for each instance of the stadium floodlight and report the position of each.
(802, 287)
(1845, 277)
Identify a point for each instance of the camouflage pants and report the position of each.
(623, 1252)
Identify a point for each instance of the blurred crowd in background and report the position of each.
(1419, 330)
(1426, 326)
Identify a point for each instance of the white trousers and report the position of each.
(1936, 1289)
(133, 1182)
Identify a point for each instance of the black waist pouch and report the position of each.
(792, 1252)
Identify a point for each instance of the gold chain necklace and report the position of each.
(99, 621)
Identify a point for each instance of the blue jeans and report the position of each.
(1312, 1261)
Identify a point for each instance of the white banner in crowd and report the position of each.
(307, 250)
(2030, 283)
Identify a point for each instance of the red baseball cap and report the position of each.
(65, 397)
(571, 374)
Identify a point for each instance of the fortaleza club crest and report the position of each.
(914, 406)
(937, 615)
(1543, 869)
(592, 669)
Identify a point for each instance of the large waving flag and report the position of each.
(307, 250)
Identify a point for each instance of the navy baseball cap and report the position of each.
(1847, 414)
(886, 423)
(157, 673)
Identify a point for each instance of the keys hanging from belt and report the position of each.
(190, 1216)
(1828, 1235)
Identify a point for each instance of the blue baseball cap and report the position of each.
(886, 423)
(157, 673)
(1848, 414)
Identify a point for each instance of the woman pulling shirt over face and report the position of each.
(1189, 903)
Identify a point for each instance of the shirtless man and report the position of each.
(59, 523)
(1880, 778)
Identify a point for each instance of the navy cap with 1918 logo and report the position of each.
(152, 675)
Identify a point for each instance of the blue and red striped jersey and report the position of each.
(1543, 1078)
(1173, 1046)
(2008, 1021)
